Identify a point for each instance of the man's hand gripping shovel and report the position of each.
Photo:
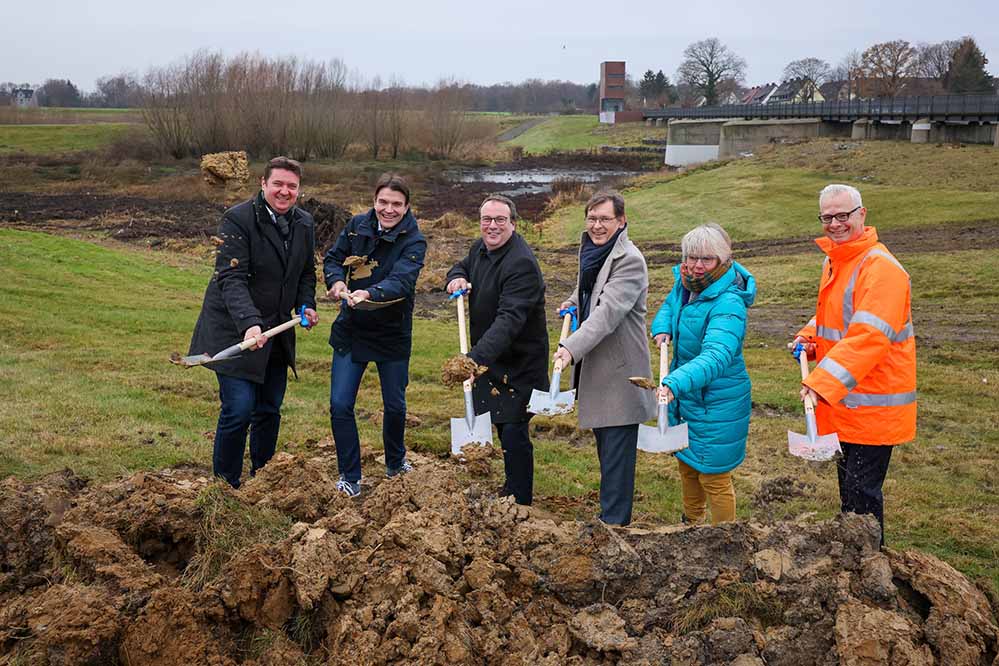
(663, 438)
(237, 349)
(471, 428)
(811, 445)
(553, 401)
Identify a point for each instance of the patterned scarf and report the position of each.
(697, 285)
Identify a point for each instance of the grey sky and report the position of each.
(426, 40)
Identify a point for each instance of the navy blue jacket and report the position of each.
(385, 334)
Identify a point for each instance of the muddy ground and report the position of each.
(434, 568)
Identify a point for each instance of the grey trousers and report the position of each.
(617, 449)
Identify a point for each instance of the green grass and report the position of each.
(561, 133)
(40, 139)
(753, 203)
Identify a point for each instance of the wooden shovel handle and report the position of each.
(566, 324)
(803, 362)
(270, 333)
(663, 361)
(462, 333)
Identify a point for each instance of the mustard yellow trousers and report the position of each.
(701, 489)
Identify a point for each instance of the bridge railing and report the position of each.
(982, 108)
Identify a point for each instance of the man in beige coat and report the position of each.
(608, 347)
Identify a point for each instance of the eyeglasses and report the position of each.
(839, 217)
(692, 259)
(500, 220)
(602, 221)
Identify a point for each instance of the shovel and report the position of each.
(234, 351)
(553, 401)
(471, 428)
(662, 438)
(811, 445)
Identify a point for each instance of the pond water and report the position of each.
(532, 181)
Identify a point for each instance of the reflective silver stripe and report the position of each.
(854, 400)
(887, 256)
(811, 322)
(841, 374)
(871, 319)
(833, 334)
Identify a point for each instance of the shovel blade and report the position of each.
(819, 449)
(541, 402)
(676, 438)
(190, 361)
(480, 433)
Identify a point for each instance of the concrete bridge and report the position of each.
(706, 133)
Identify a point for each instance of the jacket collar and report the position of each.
(369, 226)
(847, 251)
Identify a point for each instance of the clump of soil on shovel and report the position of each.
(643, 382)
(425, 568)
(458, 368)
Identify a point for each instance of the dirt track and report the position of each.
(430, 569)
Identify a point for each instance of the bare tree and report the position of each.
(445, 117)
(933, 60)
(851, 70)
(888, 65)
(812, 72)
(708, 62)
(395, 114)
(373, 115)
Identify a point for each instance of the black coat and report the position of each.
(257, 282)
(385, 334)
(509, 334)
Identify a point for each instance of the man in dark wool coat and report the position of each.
(264, 271)
(506, 307)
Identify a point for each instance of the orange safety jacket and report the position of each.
(864, 344)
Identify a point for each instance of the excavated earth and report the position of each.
(431, 568)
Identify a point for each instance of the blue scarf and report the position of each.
(591, 260)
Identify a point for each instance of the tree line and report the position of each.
(710, 71)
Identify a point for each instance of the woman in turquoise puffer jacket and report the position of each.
(708, 387)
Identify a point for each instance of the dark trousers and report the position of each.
(248, 405)
(861, 474)
(617, 449)
(345, 380)
(518, 460)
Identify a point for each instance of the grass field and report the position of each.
(10, 115)
(44, 139)
(84, 380)
(754, 202)
(582, 133)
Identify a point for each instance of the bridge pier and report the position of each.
(648, 121)
(659, 122)
(921, 131)
(995, 133)
(861, 129)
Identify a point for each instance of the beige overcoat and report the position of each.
(611, 345)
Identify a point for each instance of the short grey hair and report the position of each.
(837, 188)
(708, 239)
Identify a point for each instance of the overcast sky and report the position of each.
(424, 40)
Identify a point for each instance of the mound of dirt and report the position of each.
(219, 169)
(330, 221)
(425, 569)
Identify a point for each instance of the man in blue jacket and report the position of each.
(383, 250)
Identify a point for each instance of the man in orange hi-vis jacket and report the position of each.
(864, 385)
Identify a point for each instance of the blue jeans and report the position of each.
(246, 404)
(345, 380)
